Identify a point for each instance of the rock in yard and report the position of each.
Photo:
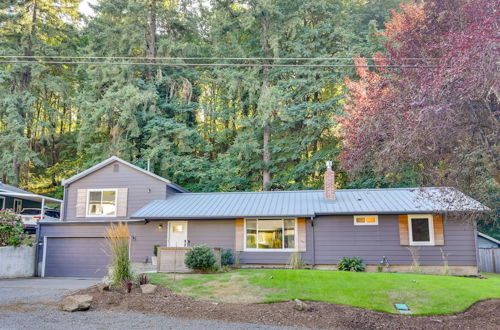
(148, 288)
(102, 287)
(76, 303)
(300, 305)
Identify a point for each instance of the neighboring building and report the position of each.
(487, 242)
(17, 199)
(264, 228)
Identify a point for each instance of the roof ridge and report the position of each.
(308, 190)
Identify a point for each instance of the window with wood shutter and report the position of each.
(239, 235)
(122, 202)
(421, 229)
(81, 203)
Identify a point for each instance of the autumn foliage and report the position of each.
(432, 119)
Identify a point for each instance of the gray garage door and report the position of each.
(76, 257)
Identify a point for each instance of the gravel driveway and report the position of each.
(33, 303)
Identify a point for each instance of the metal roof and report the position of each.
(307, 203)
(118, 159)
(489, 238)
(8, 190)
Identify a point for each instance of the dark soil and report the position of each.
(482, 315)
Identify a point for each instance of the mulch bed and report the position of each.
(482, 315)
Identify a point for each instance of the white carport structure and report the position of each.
(32, 197)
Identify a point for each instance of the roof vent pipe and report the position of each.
(329, 182)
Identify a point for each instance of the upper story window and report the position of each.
(101, 202)
(271, 234)
(365, 220)
(421, 229)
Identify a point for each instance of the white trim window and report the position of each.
(366, 220)
(101, 202)
(421, 229)
(18, 205)
(271, 234)
(2, 202)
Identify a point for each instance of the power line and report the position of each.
(216, 58)
(168, 64)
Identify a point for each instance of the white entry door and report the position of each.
(177, 234)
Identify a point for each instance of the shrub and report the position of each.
(155, 250)
(226, 257)
(143, 279)
(11, 230)
(351, 264)
(118, 240)
(296, 261)
(200, 257)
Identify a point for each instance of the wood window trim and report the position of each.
(20, 205)
(101, 215)
(430, 221)
(366, 223)
(295, 241)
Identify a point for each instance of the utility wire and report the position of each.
(169, 64)
(215, 58)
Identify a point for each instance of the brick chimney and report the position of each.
(329, 182)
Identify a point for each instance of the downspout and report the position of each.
(476, 248)
(37, 257)
(313, 242)
(64, 208)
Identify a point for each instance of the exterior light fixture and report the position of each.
(160, 227)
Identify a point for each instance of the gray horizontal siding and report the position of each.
(144, 236)
(9, 203)
(337, 237)
(142, 188)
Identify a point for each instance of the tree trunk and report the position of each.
(264, 103)
(151, 38)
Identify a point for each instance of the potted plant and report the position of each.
(155, 255)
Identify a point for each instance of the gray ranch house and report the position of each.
(263, 228)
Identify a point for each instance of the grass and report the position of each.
(424, 294)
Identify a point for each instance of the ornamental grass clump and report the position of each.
(11, 230)
(200, 257)
(118, 238)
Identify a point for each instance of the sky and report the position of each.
(84, 7)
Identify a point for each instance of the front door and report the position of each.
(177, 234)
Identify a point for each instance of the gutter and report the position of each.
(94, 222)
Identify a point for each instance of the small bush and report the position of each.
(295, 261)
(143, 279)
(118, 240)
(11, 230)
(226, 257)
(155, 250)
(351, 264)
(200, 257)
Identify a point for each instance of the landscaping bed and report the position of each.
(484, 315)
(424, 294)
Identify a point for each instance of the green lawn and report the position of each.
(425, 294)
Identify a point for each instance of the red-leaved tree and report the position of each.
(435, 118)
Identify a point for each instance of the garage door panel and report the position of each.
(76, 257)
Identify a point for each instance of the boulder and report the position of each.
(79, 302)
(102, 287)
(148, 288)
(301, 306)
